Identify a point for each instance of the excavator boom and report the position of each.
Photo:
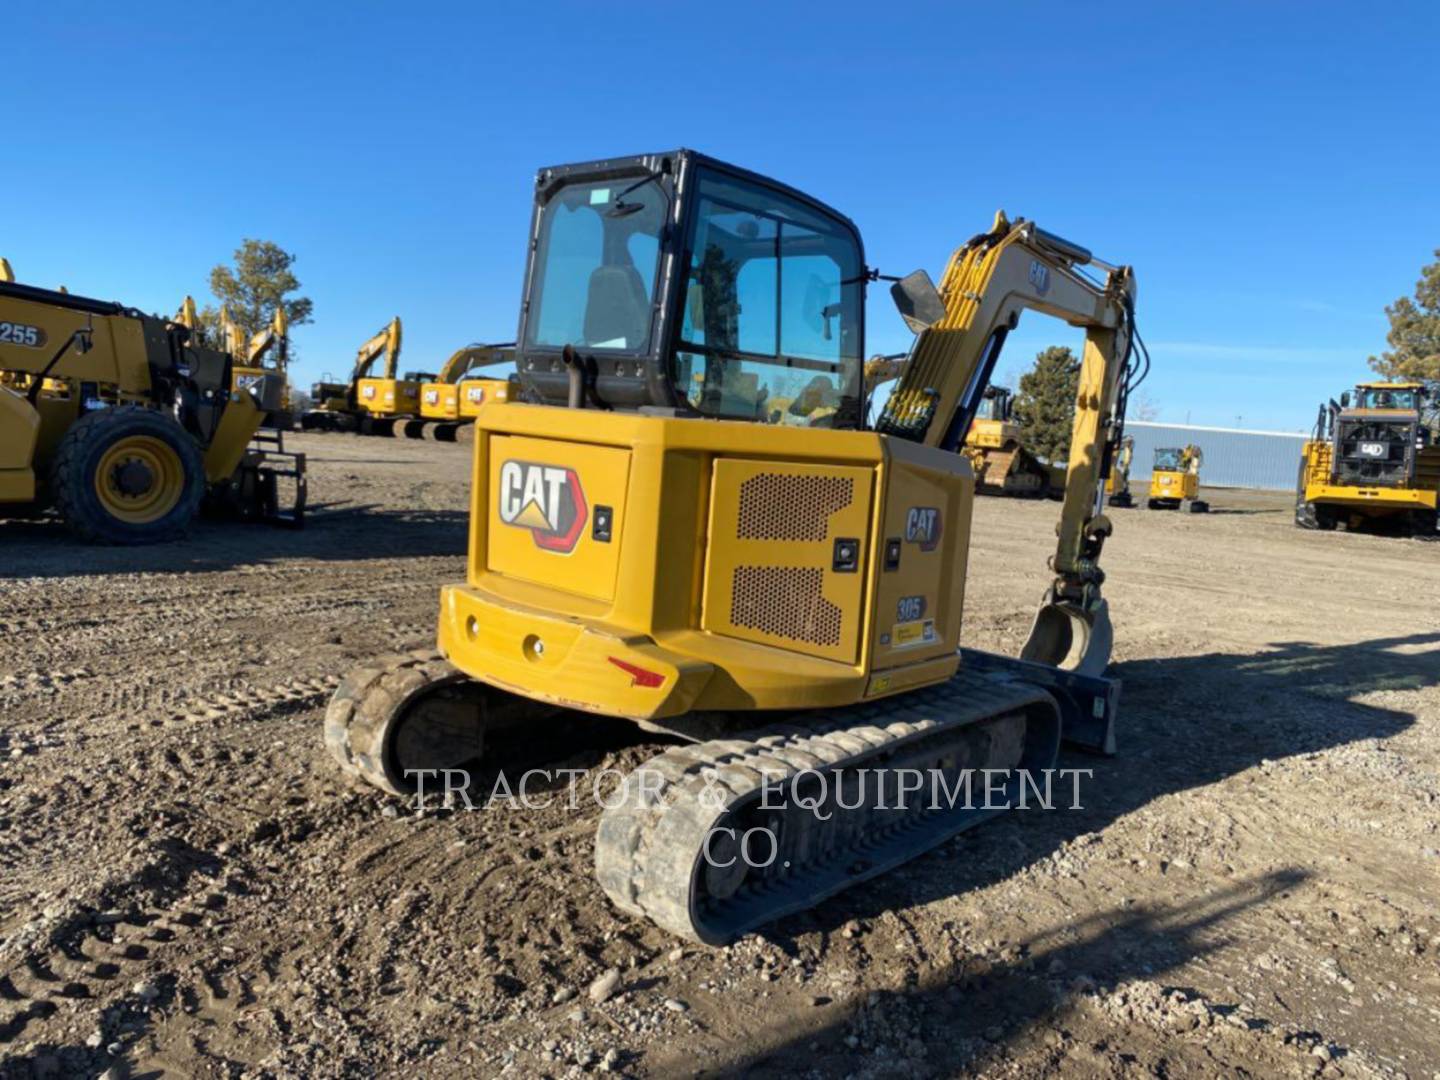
(989, 282)
(386, 343)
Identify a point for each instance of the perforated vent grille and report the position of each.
(774, 506)
(784, 601)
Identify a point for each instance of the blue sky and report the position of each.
(1268, 168)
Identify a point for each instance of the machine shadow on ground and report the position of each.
(979, 1003)
(1236, 711)
(334, 532)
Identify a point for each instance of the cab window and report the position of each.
(771, 319)
(596, 258)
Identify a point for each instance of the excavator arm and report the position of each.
(463, 361)
(275, 337)
(988, 283)
(386, 343)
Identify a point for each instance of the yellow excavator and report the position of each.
(450, 402)
(1175, 480)
(265, 352)
(367, 404)
(1117, 487)
(1372, 460)
(128, 424)
(653, 537)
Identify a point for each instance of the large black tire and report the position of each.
(1307, 514)
(127, 475)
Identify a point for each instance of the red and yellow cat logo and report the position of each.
(545, 499)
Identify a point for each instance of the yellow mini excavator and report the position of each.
(127, 423)
(1175, 480)
(450, 401)
(367, 404)
(1372, 460)
(654, 537)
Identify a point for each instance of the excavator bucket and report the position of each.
(1070, 637)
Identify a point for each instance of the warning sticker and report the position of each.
(908, 635)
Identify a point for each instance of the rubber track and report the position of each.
(649, 842)
(365, 700)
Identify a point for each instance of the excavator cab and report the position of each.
(996, 405)
(680, 283)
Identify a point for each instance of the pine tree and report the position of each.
(1414, 331)
(260, 281)
(1045, 406)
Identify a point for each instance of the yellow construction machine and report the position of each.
(993, 444)
(1175, 480)
(127, 423)
(653, 537)
(1372, 461)
(266, 352)
(1117, 487)
(367, 403)
(450, 402)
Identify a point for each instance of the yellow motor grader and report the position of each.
(127, 423)
(680, 529)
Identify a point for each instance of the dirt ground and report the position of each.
(188, 889)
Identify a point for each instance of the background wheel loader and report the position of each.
(1175, 480)
(1372, 462)
(367, 404)
(127, 424)
(654, 538)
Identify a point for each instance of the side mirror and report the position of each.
(1345, 400)
(918, 301)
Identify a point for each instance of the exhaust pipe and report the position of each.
(573, 365)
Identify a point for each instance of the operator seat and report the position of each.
(616, 308)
